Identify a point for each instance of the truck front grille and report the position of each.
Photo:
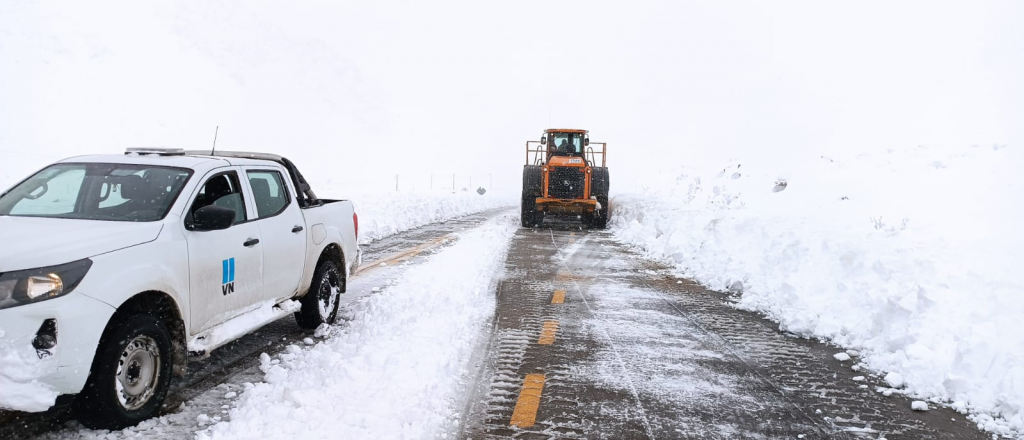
(567, 183)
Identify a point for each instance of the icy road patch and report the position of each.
(397, 369)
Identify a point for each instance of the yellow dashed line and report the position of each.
(563, 277)
(559, 297)
(404, 255)
(547, 334)
(525, 414)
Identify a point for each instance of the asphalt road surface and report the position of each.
(591, 341)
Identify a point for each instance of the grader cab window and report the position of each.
(565, 143)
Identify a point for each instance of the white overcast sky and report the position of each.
(363, 89)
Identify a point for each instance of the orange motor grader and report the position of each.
(563, 176)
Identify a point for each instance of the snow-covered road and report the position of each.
(617, 347)
(480, 329)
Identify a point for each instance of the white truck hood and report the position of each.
(31, 242)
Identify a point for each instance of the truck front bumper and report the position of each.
(566, 206)
(31, 376)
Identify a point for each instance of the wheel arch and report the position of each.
(161, 306)
(332, 252)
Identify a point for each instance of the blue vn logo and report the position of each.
(228, 278)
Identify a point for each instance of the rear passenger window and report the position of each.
(269, 191)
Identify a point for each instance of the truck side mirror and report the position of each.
(543, 140)
(586, 142)
(213, 218)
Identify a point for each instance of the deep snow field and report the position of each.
(912, 257)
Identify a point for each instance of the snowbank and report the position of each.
(397, 368)
(384, 214)
(911, 257)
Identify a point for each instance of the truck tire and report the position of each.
(600, 186)
(533, 180)
(533, 187)
(599, 219)
(130, 374)
(320, 304)
(530, 217)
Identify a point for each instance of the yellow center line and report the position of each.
(525, 414)
(563, 276)
(559, 297)
(547, 334)
(407, 254)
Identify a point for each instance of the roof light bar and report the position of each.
(156, 151)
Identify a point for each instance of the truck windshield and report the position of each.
(96, 191)
(567, 143)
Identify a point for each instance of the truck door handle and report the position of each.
(297, 229)
(251, 242)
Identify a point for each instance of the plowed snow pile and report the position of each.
(384, 214)
(397, 368)
(912, 257)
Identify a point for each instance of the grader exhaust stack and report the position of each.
(565, 175)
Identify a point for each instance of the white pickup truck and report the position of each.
(115, 270)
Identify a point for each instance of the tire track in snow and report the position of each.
(607, 337)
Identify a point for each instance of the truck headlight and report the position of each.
(34, 285)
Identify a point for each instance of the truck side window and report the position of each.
(222, 190)
(269, 191)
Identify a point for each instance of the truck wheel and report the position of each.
(599, 219)
(533, 187)
(320, 305)
(529, 216)
(130, 375)
(533, 180)
(600, 182)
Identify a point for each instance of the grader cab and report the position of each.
(564, 175)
